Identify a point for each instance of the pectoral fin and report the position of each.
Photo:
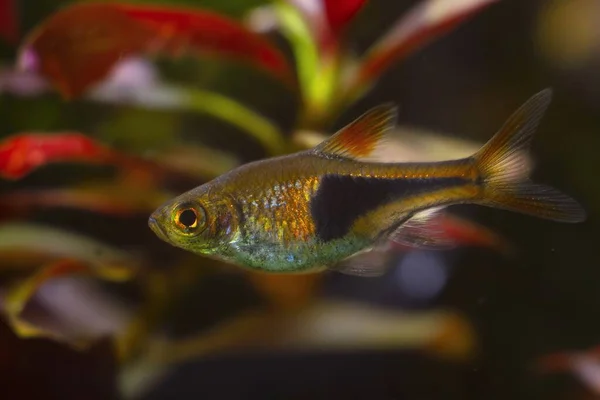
(370, 263)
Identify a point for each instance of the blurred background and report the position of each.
(97, 307)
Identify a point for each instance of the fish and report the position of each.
(332, 207)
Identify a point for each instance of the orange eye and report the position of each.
(189, 219)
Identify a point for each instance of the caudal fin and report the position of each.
(504, 168)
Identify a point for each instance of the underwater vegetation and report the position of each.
(113, 109)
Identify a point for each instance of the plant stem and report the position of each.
(211, 103)
(235, 113)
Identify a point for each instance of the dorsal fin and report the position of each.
(359, 138)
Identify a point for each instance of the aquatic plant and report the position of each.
(108, 53)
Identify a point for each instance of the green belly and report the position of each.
(296, 257)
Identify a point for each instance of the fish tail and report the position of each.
(503, 169)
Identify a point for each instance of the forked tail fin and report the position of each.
(504, 169)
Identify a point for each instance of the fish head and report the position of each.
(202, 221)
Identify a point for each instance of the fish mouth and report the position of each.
(157, 229)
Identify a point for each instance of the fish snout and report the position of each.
(156, 226)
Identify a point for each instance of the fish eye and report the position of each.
(190, 218)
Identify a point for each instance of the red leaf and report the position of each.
(341, 12)
(180, 28)
(21, 154)
(9, 23)
(77, 47)
(425, 22)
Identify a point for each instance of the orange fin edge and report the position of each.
(361, 137)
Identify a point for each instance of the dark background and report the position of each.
(465, 84)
